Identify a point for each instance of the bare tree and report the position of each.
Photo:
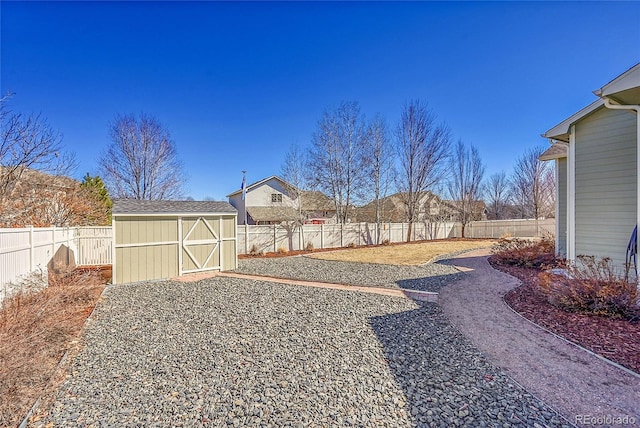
(497, 195)
(423, 148)
(336, 157)
(292, 171)
(141, 162)
(465, 182)
(533, 185)
(28, 142)
(380, 160)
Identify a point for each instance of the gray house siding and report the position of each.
(605, 183)
(561, 239)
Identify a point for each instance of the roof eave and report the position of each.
(257, 183)
(558, 150)
(627, 80)
(561, 131)
(172, 214)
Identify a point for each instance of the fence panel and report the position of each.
(515, 227)
(94, 245)
(271, 238)
(27, 250)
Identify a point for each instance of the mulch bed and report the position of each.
(616, 340)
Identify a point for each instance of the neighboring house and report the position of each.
(317, 207)
(35, 198)
(478, 210)
(394, 209)
(596, 160)
(274, 201)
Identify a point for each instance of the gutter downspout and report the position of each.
(608, 104)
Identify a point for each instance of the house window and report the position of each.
(276, 197)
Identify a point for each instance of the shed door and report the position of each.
(200, 244)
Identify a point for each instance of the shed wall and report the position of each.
(605, 177)
(146, 248)
(151, 247)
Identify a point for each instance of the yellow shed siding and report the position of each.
(147, 247)
(229, 257)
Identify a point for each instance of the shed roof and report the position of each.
(134, 206)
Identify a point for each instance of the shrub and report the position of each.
(282, 250)
(525, 252)
(254, 251)
(309, 246)
(592, 286)
(386, 242)
(351, 245)
(36, 329)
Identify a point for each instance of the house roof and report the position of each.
(258, 183)
(392, 207)
(556, 151)
(314, 200)
(561, 131)
(32, 177)
(272, 213)
(624, 89)
(134, 206)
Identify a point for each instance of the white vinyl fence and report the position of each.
(275, 237)
(514, 228)
(28, 251)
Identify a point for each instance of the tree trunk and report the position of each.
(409, 230)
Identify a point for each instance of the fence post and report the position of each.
(246, 239)
(322, 235)
(342, 234)
(53, 241)
(275, 250)
(69, 231)
(31, 249)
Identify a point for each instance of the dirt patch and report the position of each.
(357, 247)
(411, 254)
(36, 329)
(617, 340)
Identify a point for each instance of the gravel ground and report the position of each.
(233, 352)
(427, 277)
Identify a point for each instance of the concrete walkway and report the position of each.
(423, 296)
(566, 377)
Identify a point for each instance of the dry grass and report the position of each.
(36, 329)
(405, 254)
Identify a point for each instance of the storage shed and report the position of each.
(164, 239)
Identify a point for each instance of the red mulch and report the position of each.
(616, 340)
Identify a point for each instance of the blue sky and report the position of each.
(237, 84)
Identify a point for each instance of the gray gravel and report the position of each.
(234, 352)
(427, 277)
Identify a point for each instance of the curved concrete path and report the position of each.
(571, 380)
